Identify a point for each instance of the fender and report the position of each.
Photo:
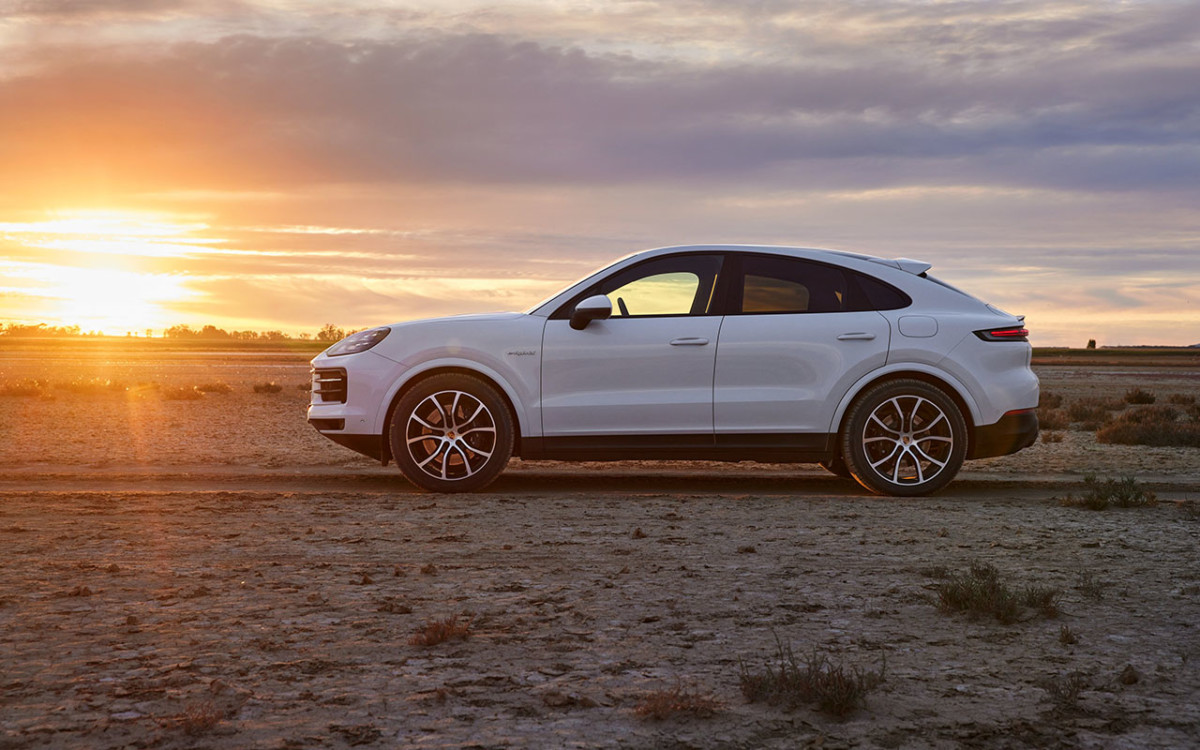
(525, 421)
(901, 367)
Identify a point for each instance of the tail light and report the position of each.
(1008, 333)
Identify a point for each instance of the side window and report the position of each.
(680, 285)
(788, 285)
(881, 296)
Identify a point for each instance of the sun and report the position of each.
(103, 270)
(115, 301)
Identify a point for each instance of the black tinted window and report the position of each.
(788, 285)
(881, 296)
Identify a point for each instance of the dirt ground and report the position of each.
(211, 573)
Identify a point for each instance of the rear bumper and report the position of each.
(1014, 431)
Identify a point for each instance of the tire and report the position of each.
(451, 433)
(904, 438)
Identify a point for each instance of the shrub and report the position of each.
(215, 388)
(180, 393)
(1138, 396)
(1093, 409)
(833, 689)
(1101, 494)
(980, 593)
(90, 386)
(1064, 690)
(1150, 425)
(1050, 400)
(1181, 399)
(23, 388)
(440, 631)
(1053, 419)
(1052, 437)
(678, 701)
(271, 387)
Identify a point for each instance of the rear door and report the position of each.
(790, 347)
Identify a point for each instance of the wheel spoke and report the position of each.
(480, 408)
(895, 448)
(930, 426)
(896, 467)
(464, 433)
(879, 422)
(940, 464)
(454, 410)
(917, 464)
(912, 420)
(466, 461)
(436, 451)
(423, 423)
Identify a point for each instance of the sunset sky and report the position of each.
(281, 164)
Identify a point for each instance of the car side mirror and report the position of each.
(597, 307)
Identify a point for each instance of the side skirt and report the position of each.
(770, 448)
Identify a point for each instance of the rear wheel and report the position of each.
(904, 437)
(451, 433)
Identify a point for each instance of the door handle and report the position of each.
(689, 341)
(857, 336)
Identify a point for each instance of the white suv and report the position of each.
(776, 354)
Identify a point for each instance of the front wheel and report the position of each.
(905, 438)
(451, 433)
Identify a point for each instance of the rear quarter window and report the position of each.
(877, 295)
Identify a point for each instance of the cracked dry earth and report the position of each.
(283, 619)
(166, 583)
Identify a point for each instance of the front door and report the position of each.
(648, 369)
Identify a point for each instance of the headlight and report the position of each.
(358, 342)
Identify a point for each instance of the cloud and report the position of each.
(274, 111)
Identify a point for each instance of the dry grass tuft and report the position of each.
(179, 393)
(1052, 437)
(1151, 425)
(1090, 586)
(832, 688)
(1138, 396)
(980, 593)
(91, 386)
(1102, 494)
(1049, 400)
(1093, 409)
(1065, 689)
(1066, 636)
(1053, 419)
(197, 718)
(1181, 399)
(271, 387)
(439, 631)
(215, 388)
(23, 388)
(678, 701)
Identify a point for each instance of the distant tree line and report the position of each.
(329, 333)
(39, 329)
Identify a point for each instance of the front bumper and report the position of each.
(1014, 431)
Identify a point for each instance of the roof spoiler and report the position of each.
(915, 267)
